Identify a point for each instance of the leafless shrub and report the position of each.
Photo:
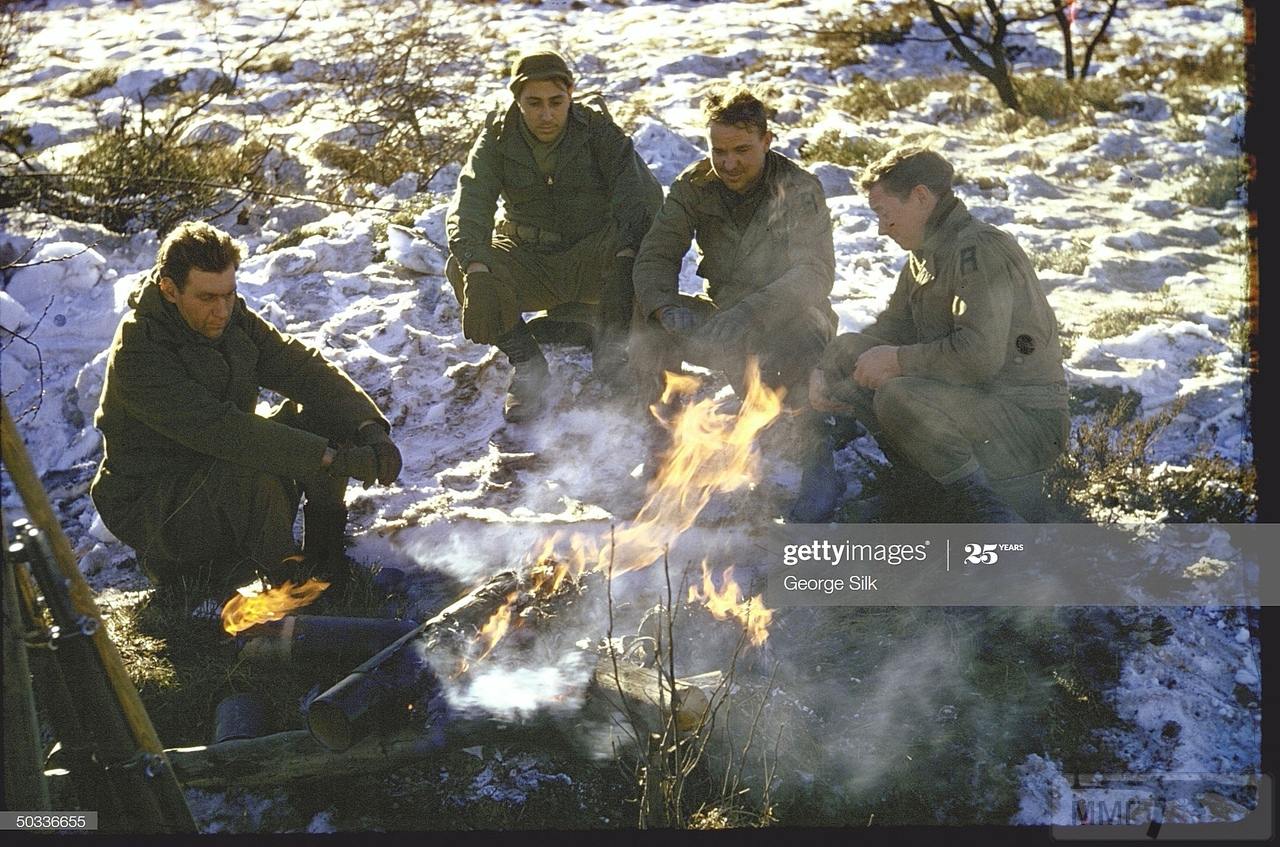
(13, 28)
(978, 31)
(402, 87)
(142, 172)
(1108, 475)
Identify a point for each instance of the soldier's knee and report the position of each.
(257, 491)
(895, 400)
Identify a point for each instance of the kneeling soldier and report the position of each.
(960, 378)
(577, 201)
(190, 475)
(764, 233)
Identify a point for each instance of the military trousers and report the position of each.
(949, 431)
(223, 524)
(542, 277)
(785, 348)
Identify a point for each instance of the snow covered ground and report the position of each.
(475, 493)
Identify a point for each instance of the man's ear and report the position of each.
(768, 139)
(169, 289)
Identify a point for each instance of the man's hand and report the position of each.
(820, 399)
(355, 463)
(489, 307)
(877, 366)
(384, 449)
(728, 327)
(677, 319)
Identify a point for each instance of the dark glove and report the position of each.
(488, 307)
(677, 319)
(388, 455)
(356, 463)
(728, 327)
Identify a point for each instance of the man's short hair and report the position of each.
(196, 244)
(901, 170)
(737, 107)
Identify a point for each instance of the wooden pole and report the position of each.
(177, 815)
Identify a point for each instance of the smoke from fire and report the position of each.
(851, 730)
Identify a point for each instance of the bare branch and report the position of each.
(1097, 38)
(34, 408)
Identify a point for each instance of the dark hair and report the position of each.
(737, 107)
(903, 169)
(198, 245)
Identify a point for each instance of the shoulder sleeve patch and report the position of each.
(969, 260)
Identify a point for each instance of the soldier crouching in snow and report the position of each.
(764, 233)
(577, 200)
(191, 477)
(960, 378)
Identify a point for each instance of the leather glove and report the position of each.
(728, 327)
(385, 451)
(677, 319)
(488, 307)
(356, 463)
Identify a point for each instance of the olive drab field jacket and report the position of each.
(782, 261)
(598, 178)
(968, 309)
(174, 399)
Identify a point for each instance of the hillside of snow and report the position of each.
(1149, 286)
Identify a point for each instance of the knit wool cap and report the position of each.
(541, 65)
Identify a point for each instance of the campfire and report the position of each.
(711, 452)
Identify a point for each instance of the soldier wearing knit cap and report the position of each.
(530, 67)
(577, 201)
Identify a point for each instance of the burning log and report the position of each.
(640, 692)
(321, 642)
(396, 679)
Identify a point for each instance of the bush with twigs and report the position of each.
(402, 87)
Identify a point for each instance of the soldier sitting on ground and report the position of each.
(577, 201)
(191, 477)
(763, 230)
(960, 378)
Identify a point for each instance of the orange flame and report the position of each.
(728, 603)
(678, 385)
(494, 631)
(254, 604)
(711, 452)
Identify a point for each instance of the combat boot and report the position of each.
(609, 365)
(526, 395)
(973, 499)
(821, 486)
(324, 552)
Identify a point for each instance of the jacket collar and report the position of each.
(513, 145)
(949, 216)
(149, 302)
